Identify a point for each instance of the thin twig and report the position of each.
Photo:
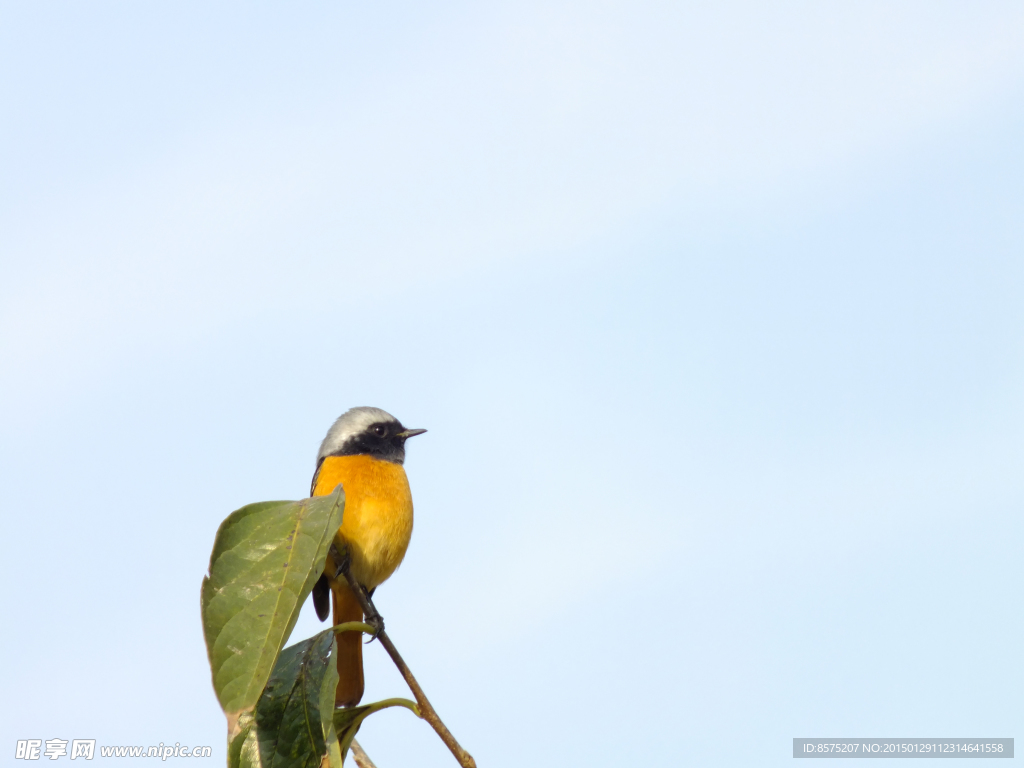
(359, 755)
(426, 710)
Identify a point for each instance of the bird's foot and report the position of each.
(374, 619)
(342, 561)
(371, 615)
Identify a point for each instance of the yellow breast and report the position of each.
(377, 524)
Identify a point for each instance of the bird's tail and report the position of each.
(350, 647)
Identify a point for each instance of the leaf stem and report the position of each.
(353, 626)
(350, 731)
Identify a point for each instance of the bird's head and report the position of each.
(367, 431)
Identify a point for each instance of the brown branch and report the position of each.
(426, 710)
(359, 755)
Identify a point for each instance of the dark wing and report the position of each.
(321, 590)
(316, 475)
(322, 597)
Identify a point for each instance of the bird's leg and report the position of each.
(344, 568)
(373, 618)
(342, 561)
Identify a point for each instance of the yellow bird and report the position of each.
(364, 451)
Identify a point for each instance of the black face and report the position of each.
(383, 440)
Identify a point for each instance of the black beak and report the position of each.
(410, 433)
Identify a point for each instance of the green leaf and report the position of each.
(266, 559)
(328, 688)
(348, 720)
(292, 725)
(242, 747)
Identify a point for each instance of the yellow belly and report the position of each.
(377, 524)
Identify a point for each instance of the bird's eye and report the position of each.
(380, 431)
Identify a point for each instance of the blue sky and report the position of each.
(712, 311)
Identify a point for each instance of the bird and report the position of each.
(364, 452)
